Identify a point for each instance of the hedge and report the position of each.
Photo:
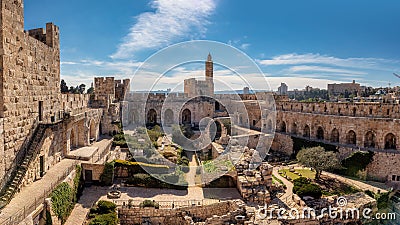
(149, 203)
(146, 180)
(62, 201)
(303, 187)
(106, 178)
(64, 197)
(119, 162)
(141, 167)
(103, 214)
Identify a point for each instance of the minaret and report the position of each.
(209, 67)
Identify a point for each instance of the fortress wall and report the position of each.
(30, 77)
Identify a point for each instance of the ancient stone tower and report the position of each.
(29, 79)
(209, 67)
(195, 88)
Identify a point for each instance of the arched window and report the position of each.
(294, 128)
(369, 141)
(335, 136)
(186, 117)
(351, 138)
(168, 117)
(306, 131)
(320, 133)
(390, 141)
(282, 127)
(151, 116)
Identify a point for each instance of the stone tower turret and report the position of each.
(209, 67)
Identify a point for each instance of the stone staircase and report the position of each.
(16, 178)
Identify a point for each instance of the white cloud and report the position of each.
(305, 68)
(244, 46)
(172, 20)
(310, 58)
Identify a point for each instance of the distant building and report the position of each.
(194, 88)
(283, 89)
(246, 90)
(344, 89)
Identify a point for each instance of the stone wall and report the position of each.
(176, 216)
(383, 166)
(30, 77)
(122, 87)
(51, 149)
(356, 109)
(336, 129)
(75, 103)
(283, 144)
(97, 170)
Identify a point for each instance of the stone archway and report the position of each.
(351, 138)
(320, 133)
(151, 117)
(93, 131)
(390, 141)
(186, 117)
(168, 117)
(72, 140)
(306, 131)
(370, 140)
(218, 132)
(335, 136)
(132, 117)
(282, 127)
(294, 129)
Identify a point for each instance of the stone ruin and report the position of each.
(254, 177)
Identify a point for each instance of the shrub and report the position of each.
(106, 178)
(382, 200)
(303, 187)
(62, 201)
(105, 219)
(49, 221)
(105, 207)
(312, 190)
(155, 133)
(119, 140)
(145, 180)
(149, 203)
(369, 193)
(64, 197)
(103, 214)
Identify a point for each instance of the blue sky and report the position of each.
(298, 42)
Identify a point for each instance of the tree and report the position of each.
(71, 90)
(81, 88)
(64, 87)
(90, 90)
(318, 159)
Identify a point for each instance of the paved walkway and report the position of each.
(34, 193)
(194, 190)
(88, 198)
(286, 198)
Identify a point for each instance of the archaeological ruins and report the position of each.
(40, 127)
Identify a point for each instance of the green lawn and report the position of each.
(329, 186)
(304, 173)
